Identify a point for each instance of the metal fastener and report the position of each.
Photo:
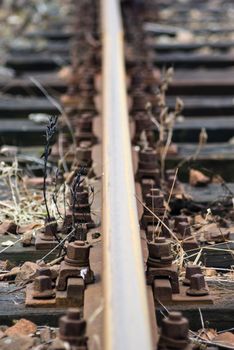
(190, 271)
(42, 288)
(72, 328)
(198, 286)
(174, 332)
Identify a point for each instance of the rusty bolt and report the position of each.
(139, 101)
(183, 228)
(197, 286)
(179, 219)
(147, 185)
(87, 85)
(81, 231)
(60, 177)
(44, 271)
(190, 271)
(148, 165)
(50, 230)
(170, 172)
(148, 155)
(72, 328)
(43, 288)
(160, 252)
(154, 199)
(87, 114)
(72, 90)
(85, 123)
(174, 333)
(82, 198)
(78, 254)
(87, 101)
(142, 122)
(162, 247)
(71, 113)
(80, 188)
(154, 192)
(170, 181)
(84, 151)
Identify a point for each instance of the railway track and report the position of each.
(120, 221)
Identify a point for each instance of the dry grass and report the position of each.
(26, 205)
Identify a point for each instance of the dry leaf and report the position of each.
(208, 334)
(8, 227)
(197, 178)
(226, 338)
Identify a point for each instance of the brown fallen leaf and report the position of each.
(197, 178)
(25, 228)
(173, 149)
(27, 272)
(207, 334)
(210, 272)
(217, 179)
(10, 275)
(212, 232)
(65, 73)
(226, 338)
(2, 334)
(8, 227)
(199, 220)
(22, 327)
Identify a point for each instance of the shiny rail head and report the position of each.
(126, 315)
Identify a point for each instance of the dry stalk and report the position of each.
(164, 120)
(158, 218)
(169, 198)
(203, 137)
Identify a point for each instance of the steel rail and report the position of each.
(126, 314)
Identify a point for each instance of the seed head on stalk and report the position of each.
(50, 132)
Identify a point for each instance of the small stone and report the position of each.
(22, 327)
(7, 243)
(17, 342)
(27, 239)
(65, 73)
(8, 227)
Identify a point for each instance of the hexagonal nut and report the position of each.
(175, 326)
(78, 252)
(71, 326)
(161, 247)
(42, 283)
